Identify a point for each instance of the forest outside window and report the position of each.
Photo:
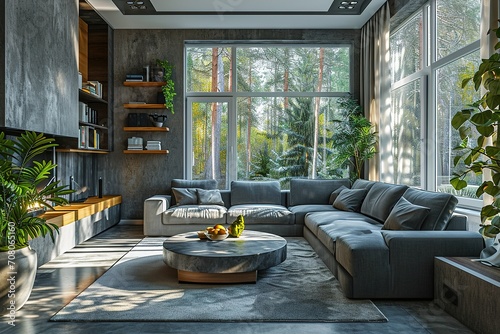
(258, 112)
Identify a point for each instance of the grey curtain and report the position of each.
(375, 78)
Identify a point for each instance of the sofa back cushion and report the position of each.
(380, 200)
(202, 184)
(363, 184)
(441, 206)
(307, 191)
(255, 192)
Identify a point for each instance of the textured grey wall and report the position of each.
(41, 71)
(139, 176)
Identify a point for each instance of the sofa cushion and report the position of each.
(209, 197)
(441, 207)
(202, 184)
(195, 214)
(261, 214)
(314, 220)
(406, 216)
(308, 191)
(300, 211)
(329, 233)
(380, 200)
(255, 192)
(350, 199)
(185, 196)
(335, 194)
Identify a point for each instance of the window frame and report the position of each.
(428, 75)
(234, 95)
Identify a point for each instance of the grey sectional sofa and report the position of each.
(378, 239)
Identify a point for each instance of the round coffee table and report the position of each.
(233, 260)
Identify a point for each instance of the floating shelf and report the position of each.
(81, 150)
(144, 106)
(143, 83)
(145, 151)
(145, 129)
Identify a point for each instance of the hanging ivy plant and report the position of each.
(169, 88)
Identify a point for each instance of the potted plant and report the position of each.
(22, 188)
(169, 88)
(481, 155)
(354, 138)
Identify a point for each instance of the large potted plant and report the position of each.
(22, 188)
(354, 138)
(482, 155)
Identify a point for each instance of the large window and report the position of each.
(263, 112)
(431, 53)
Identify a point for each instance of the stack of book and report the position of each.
(153, 145)
(93, 87)
(134, 77)
(135, 143)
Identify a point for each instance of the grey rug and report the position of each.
(140, 287)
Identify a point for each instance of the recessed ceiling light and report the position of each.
(341, 7)
(350, 7)
(344, 3)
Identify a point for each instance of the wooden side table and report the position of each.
(469, 291)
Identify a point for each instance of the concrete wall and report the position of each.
(139, 176)
(39, 73)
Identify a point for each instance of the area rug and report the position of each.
(141, 287)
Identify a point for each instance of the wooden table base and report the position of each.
(193, 277)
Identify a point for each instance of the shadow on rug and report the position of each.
(141, 287)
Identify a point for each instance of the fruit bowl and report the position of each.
(216, 237)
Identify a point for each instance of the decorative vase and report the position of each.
(17, 277)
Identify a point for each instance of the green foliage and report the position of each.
(21, 179)
(354, 138)
(169, 88)
(482, 155)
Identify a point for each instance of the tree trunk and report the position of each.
(316, 114)
(249, 125)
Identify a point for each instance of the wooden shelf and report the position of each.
(90, 206)
(90, 98)
(59, 218)
(145, 151)
(81, 150)
(143, 83)
(144, 106)
(146, 129)
(93, 125)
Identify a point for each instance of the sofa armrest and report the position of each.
(457, 222)
(412, 257)
(153, 209)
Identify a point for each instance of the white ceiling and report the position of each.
(113, 16)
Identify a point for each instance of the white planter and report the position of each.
(17, 276)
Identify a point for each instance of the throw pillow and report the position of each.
(406, 216)
(335, 194)
(209, 197)
(350, 199)
(185, 196)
